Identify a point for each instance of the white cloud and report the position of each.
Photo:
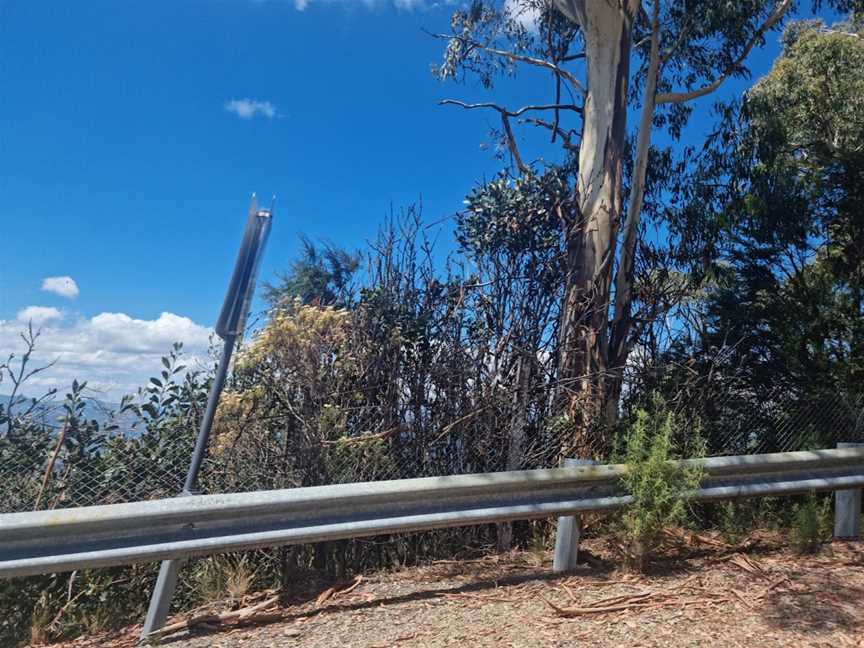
(113, 352)
(38, 314)
(248, 108)
(63, 286)
(301, 5)
(120, 332)
(527, 15)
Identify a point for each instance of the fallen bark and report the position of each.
(241, 615)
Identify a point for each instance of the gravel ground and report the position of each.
(699, 595)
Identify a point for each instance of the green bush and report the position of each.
(811, 525)
(659, 487)
(738, 518)
(735, 521)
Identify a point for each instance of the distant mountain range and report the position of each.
(50, 412)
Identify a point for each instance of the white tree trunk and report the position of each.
(591, 239)
(590, 366)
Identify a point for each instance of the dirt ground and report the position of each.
(703, 593)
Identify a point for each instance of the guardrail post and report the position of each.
(847, 508)
(569, 532)
(160, 602)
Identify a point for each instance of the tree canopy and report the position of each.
(775, 200)
(605, 59)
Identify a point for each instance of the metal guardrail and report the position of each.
(117, 534)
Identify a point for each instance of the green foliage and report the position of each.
(734, 523)
(808, 112)
(82, 462)
(323, 275)
(807, 123)
(56, 606)
(540, 540)
(787, 175)
(518, 215)
(658, 486)
(811, 524)
(770, 221)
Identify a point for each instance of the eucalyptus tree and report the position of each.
(786, 181)
(604, 58)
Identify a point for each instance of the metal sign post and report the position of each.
(230, 325)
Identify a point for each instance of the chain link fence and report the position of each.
(85, 462)
(288, 430)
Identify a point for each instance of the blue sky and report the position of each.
(125, 167)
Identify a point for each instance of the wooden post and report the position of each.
(847, 508)
(569, 532)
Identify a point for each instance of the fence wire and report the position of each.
(87, 462)
(340, 435)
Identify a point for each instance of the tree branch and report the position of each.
(510, 113)
(565, 135)
(49, 469)
(511, 143)
(841, 33)
(573, 9)
(622, 320)
(513, 56)
(680, 97)
(557, 76)
(682, 37)
(508, 131)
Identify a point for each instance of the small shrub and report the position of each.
(221, 576)
(539, 542)
(659, 488)
(210, 579)
(97, 619)
(735, 523)
(40, 622)
(240, 579)
(736, 519)
(810, 525)
(771, 512)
